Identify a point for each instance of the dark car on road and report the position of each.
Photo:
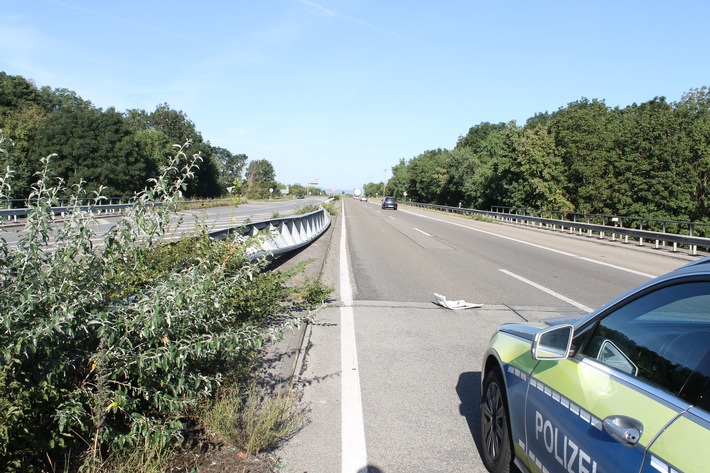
(389, 202)
(626, 388)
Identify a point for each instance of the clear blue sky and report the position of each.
(340, 90)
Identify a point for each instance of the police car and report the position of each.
(625, 389)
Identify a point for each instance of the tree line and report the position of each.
(648, 160)
(118, 151)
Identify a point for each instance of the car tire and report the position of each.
(495, 428)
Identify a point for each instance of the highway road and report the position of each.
(392, 380)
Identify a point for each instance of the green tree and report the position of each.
(427, 176)
(296, 189)
(373, 189)
(93, 147)
(537, 175)
(206, 182)
(487, 168)
(16, 93)
(477, 135)
(584, 141)
(656, 180)
(172, 126)
(175, 124)
(694, 113)
(23, 107)
(22, 125)
(260, 177)
(231, 166)
(398, 182)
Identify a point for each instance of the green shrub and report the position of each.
(105, 348)
(306, 209)
(332, 206)
(315, 292)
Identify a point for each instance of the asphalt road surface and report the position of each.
(392, 380)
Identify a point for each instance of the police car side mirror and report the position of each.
(553, 343)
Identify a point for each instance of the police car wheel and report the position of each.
(495, 436)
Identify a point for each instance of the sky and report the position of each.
(339, 91)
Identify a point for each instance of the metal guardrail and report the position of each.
(660, 239)
(280, 235)
(13, 214)
(638, 223)
(273, 237)
(115, 209)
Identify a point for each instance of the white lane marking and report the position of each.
(422, 231)
(548, 291)
(353, 451)
(571, 255)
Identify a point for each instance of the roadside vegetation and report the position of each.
(115, 350)
(330, 206)
(647, 160)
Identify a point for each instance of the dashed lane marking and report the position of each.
(548, 291)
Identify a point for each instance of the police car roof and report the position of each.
(702, 264)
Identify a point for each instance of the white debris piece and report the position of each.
(454, 305)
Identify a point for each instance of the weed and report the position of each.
(315, 292)
(331, 206)
(306, 209)
(254, 419)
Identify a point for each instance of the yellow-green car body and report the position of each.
(625, 389)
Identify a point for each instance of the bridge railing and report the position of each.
(613, 231)
(280, 235)
(272, 237)
(115, 206)
(15, 213)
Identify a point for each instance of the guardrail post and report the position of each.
(693, 248)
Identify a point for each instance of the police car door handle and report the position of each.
(623, 429)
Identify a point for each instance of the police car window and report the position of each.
(661, 336)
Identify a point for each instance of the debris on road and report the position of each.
(454, 305)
